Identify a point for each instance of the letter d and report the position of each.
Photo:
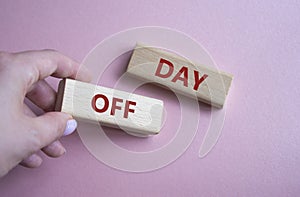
(159, 68)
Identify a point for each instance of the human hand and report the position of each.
(22, 134)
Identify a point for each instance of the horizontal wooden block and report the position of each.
(133, 113)
(179, 74)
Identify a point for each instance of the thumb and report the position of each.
(53, 125)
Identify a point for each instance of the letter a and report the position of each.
(184, 71)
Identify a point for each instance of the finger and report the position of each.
(43, 95)
(51, 126)
(41, 64)
(32, 161)
(55, 149)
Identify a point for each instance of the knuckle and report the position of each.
(33, 74)
(59, 125)
(34, 140)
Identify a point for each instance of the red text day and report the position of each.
(181, 75)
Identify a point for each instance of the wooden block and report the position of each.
(179, 74)
(131, 112)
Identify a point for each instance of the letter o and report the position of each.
(106, 103)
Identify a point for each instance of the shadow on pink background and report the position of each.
(258, 42)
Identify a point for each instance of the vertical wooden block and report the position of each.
(179, 74)
(131, 112)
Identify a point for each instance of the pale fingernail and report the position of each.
(70, 128)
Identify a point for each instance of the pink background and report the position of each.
(257, 41)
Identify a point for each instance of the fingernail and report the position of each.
(70, 128)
